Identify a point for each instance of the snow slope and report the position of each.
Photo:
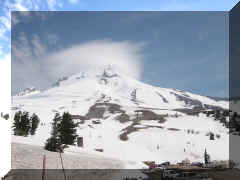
(106, 95)
(28, 159)
(31, 157)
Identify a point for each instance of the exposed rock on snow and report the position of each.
(146, 117)
(28, 91)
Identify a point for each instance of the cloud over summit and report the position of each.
(41, 68)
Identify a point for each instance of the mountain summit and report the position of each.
(127, 91)
(116, 112)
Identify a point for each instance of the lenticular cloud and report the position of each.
(123, 56)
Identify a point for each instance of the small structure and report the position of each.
(99, 150)
(150, 164)
(80, 141)
(211, 136)
(185, 162)
(96, 121)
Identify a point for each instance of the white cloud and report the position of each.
(38, 49)
(2, 33)
(52, 39)
(22, 49)
(33, 66)
(1, 50)
(60, 5)
(73, 1)
(123, 56)
(5, 21)
(5, 25)
(53, 4)
(14, 19)
(20, 7)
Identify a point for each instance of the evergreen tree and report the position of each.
(54, 142)
(25, 123)
(67, 129)
(34, 123)
(21, 123)
(206, 157)
(16, 123)
(217, 114)
(6, 116)
(134, 95)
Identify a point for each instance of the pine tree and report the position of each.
(206, 157)
(134, 95)
(16, 123)
(34, 123)
(67, 129)
(54, 142)
(25, 123)
(21, 123)
(6, 116)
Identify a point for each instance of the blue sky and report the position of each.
(75, 5)
(184, 67)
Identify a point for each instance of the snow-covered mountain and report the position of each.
(130, 120)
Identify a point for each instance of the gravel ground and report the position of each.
(99, 174)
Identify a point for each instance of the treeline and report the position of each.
(220, 115)
(233, 122)
(24, 125)
(63, 133)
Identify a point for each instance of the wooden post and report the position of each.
(62, 166)
(44, 166)
(80, 141)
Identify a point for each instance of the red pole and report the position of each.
(62, 166)
(44, 166)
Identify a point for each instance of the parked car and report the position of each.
(167, 163)
(160, 167)
(173, 175)
(198, 164)
(170, 174)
